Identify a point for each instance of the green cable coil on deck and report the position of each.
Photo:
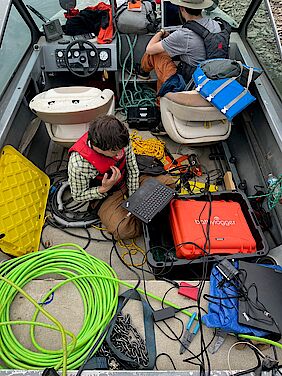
(99, 294)
(139, 95)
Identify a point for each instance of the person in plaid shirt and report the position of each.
(102, 169)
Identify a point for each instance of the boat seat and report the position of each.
(68, 111)
(190, 119)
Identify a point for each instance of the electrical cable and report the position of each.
(274, 193)
(89, 238)
(257, 351)
(177, 338)
(60, 161)
(97, 284)
(22, 270)
(144, 254)
(31, 364)
(140, 95)
(66, 213)
(145, 291)
(64, 216)
(241, 292)
(169, 357)
(202, 285)
(257, 305)
(133, 249)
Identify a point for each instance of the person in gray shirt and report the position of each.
(183, 43)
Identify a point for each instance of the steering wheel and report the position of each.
(82, 58)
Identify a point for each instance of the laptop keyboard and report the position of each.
(153, 202)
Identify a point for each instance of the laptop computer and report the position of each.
(149, 200)
(263, 283)
(170, 18)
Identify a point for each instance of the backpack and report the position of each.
(131, 22)
(216, 44)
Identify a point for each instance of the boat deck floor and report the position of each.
(67, 304)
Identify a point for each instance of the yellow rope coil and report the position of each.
(132, 249)
(151, 146)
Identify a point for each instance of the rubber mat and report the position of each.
(23, 196)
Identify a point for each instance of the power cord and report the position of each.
(168, 356)
(267, 363)
(145, 293)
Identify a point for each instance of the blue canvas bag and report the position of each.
(223, 314)
(225, 92)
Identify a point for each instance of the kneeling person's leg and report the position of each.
(162, 64)
(116, 219)
(164, 179)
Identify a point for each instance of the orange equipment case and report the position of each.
(229, 231)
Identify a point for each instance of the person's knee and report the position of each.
(167, 180)
(146, 63)
(128, 228)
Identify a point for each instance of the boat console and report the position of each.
(81, 55)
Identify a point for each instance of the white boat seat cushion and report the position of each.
(71, 104)
(189, 118)
(68, 111)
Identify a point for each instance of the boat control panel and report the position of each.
(80, 51)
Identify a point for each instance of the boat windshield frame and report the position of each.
(5, 6)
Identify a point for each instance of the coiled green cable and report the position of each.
(141, 95)
(99, 294)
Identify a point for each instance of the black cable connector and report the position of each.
(226, 269)
(269, 364)
(164, 314)
(50, 372)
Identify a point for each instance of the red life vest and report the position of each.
(99, 161)
(105, 35)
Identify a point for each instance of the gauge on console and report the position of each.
(103, 55)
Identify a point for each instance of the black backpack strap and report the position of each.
(150, 340)
(197, 28)
(224, 25)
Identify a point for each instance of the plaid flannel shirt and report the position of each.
(81, 172)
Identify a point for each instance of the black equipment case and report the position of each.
(143, 118)
(161, 254)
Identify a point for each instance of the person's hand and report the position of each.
(164, 33)
(108, 182)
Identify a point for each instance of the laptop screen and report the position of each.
(170, 16)
(263, 286)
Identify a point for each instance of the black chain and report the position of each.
(127, 340)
